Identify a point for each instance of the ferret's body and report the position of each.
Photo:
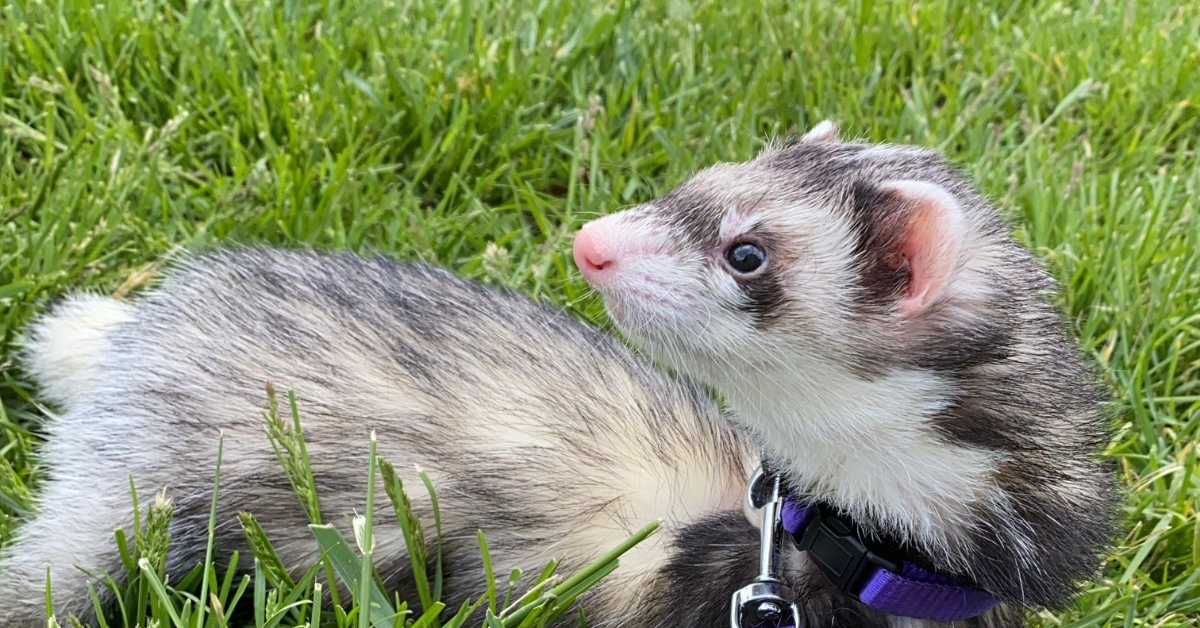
(553, 439)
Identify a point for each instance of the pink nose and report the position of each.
(596, 252)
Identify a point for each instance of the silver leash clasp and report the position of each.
(765, 602)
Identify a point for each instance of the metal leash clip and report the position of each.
(766, 602)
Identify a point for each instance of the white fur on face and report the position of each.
(685, 306)
(668, 297)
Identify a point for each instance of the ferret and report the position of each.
(868, 317)
(859, 308)
(552, 438)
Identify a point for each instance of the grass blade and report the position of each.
(410, 525)
(160, 591)
(437, 522)
(212, 526)
(276, 573)
(488, 574)
(367, 543)
(349, 568)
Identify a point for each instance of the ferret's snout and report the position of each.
(596, 251)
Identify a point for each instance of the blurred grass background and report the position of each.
(479, 134)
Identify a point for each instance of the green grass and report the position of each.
(480, 133)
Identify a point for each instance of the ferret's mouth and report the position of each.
(622, 308)
(656, 320)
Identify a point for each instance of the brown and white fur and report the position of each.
(553, 439)
(894, 353)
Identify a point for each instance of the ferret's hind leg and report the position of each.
(61, 348)
(73, 527)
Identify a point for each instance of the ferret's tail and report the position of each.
(60, 349)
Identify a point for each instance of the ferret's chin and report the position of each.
(674, 332)
(641, 326)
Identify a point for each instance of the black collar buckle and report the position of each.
(835, 547)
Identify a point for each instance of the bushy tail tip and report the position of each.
(60, 349)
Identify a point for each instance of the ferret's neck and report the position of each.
(868, 446)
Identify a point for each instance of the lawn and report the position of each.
(479, 134)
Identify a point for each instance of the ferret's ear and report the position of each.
(825, 131)
(911, 234)
(930, 228)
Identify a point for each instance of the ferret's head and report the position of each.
(846, 254)
(868, 316)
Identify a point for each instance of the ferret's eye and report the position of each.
(745, 257)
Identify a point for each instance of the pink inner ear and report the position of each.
(931, 240)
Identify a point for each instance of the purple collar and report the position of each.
(895, 587)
